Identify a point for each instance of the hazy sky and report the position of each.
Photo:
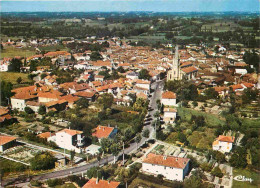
(130, 5)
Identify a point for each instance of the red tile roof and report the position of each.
(169, 110)
(46, 135)
(5, 117)
(3, 111)
(6, 139)
(168, 95)
(189, 69)
(226, 138)
(102, 131)
(237, 86)
(170, 161)
(71, 131)
(85, 94)
(93, 183)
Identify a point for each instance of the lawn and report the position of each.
(145, 184)
(22, 52)
(247, 174)
(12, 77)
(67, 185)
(211, 120)
(53, 48)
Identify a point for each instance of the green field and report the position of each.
(53, 48)
(22, 52)
(211, 120)
(12, 77)
(145, 184)
(247, 174)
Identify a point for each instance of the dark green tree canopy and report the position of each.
(15, 65)
(144, 74)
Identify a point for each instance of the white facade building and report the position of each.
(169, 115)
(223, 143)
(69, 139)
(4, 67)
(168, 98)
(172, 168)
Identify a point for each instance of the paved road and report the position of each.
(158, 87)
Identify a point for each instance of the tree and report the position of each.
(19, 80)
(194, 181)
(146, 133)
(28, 110)
(6, 88)
(144, 74)
(169, 35)
(72, 156)
(15, 65)
(106, 100)
(105, 144)
(33, 65)
(195, 103)
(249, 95)
(217, 172)
(43, 75)
(95, 172)
(82, 103)
(94, 56)
(121, 69)
(54, 182)
(239, 158)
(114, 151)
(42, 109)
(138, 138)
(220, 157)
(43, 161)
(210, 93)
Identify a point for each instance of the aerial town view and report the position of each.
(130, 94)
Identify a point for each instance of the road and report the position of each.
(157, 87)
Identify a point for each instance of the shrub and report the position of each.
(28, 110)
(217, 172)
(54, 182)
(43, 161)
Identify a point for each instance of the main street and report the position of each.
(157, 87)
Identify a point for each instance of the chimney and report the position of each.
(103, 128)
(108, 182)
(176, 159)
(99, 127)
(97, 181)
(164, 157)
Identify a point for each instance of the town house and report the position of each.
(172, 168)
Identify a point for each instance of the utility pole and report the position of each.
(124, 153)
(155, 128)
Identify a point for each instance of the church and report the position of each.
(178, 73)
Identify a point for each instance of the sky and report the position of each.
(130, 5)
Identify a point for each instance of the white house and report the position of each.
(69, 139)
(143, 84)
(132, 75)
(19, 100)
(172, 168)
(223, 143)
(6, 142)
(168, 98)
(169, 115)
(104, 132)
(240, 71)
(4, 67)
